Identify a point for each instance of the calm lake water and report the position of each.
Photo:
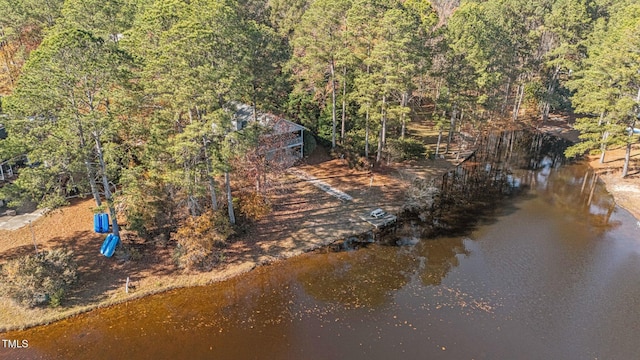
(548, 276)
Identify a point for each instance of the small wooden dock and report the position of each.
(379, 222)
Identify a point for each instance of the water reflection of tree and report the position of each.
(575, 189)
(367, 277)
(440, 257)
(578, 192)
(474, 188)
(520, 149)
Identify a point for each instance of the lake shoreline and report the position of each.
(260, 256)
(330, 221)
(625, 191)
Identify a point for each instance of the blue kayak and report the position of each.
(109, 245)
(101, 223)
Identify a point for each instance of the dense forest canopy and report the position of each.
(126, 100)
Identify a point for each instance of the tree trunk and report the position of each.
(92, 179)
(438, 143)
(452, 126)
(437, 95)
(254, 104)
(518, 102)
(605, 136)
(404, 100)
(227, 182)
(384, 120)
(383, 130)
(603, 146)
(627, 154)
(87, 163)
(366, 118)
(550, 90)
(107, 191)
(193, 206)
(333, 105)
(210, 179)
(344, 103)
(506, 97)
(379, 152)
(601, 118)
(366, 133)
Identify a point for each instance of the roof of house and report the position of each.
(243, 115)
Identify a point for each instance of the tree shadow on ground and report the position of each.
(99, 275)
(622, 159)
(319, 155)
(305, 217)
(17, 252)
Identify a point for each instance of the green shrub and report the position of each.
(56, 298)
(355, 141)
(405, 149)
(41, 279)
(310, 143)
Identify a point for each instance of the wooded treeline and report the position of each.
(125, 99)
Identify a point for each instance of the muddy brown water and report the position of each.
(548, 276)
